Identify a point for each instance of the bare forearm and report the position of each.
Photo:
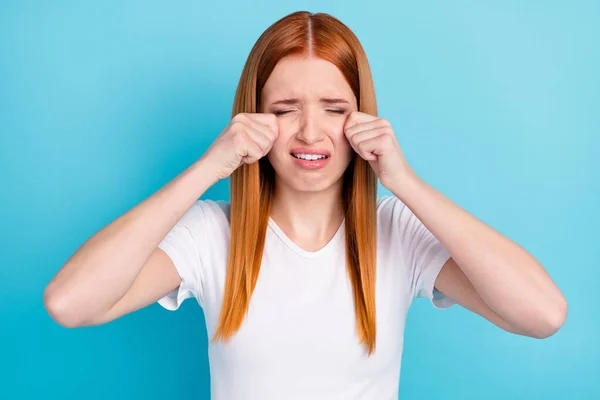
(508, 278)
(101, 271)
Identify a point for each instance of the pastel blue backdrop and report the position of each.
(101, 103)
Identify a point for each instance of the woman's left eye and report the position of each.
(281, 112)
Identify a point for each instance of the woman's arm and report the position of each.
(507, 281)
(120, 269)
(487, 272)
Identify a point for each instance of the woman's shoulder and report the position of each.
(392, 213)
(387, 204)
(220, 208)
(206, 214)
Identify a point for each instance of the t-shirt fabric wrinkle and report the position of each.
(299, 340)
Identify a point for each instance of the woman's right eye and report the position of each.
(281, 112)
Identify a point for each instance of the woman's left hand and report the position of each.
(374, 140)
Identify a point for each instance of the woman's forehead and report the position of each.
(291, 76)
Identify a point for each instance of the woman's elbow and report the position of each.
(59, 309)
(555, 318)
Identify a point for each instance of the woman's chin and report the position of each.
(317, 184)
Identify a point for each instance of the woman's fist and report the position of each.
(246, 139)
(373, 138)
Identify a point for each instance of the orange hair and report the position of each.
(252, 185)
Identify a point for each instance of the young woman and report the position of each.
(306, 276)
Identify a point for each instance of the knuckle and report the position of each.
(237, 125)
(384, 122)
(255, 153)
(240, 117)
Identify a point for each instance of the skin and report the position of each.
(120, 269)
(487, 272)
(306, 202)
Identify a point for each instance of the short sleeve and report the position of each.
(183, 245)
(423, 254)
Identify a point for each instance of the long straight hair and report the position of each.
(252, 185)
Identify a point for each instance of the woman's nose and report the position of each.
(308, 129)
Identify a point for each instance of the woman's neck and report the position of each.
(310, 219)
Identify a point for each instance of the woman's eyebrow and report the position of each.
(326, 100)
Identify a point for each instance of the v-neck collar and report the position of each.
(299, 250)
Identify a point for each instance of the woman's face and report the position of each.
(311, 99)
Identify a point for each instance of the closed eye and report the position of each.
(281, 112)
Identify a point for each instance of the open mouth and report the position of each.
(310, 157)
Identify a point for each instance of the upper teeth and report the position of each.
(310, 156)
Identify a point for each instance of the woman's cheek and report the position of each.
(278, 150)
(287, 124)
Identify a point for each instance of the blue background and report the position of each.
(101, 103)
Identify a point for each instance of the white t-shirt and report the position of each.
(299, 338)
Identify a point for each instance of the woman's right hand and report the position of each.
(246, 139)
(120, 269)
